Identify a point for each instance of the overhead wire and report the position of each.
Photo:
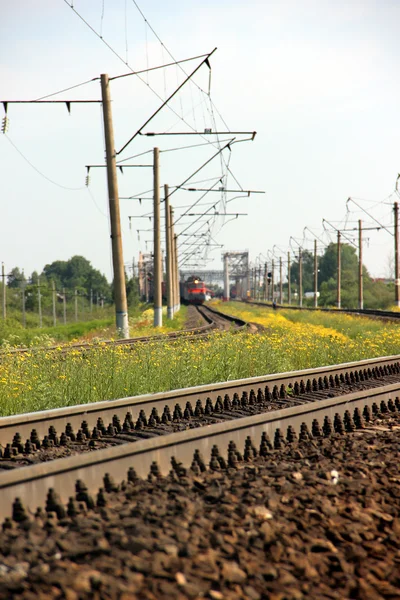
(208, 142)
(64, 187)
(122, 60)
(207, 94)
(72, 87)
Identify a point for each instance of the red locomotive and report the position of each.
(194, 290)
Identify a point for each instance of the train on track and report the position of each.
(194, 291)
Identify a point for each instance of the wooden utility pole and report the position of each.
(91, 300)
(3, 277)
(23, 300)
(40, 304)
(177, 279)
(226, 277)
(289, 289)
(300, 278)
(339, 271)
(76, 304)
(272, 280)
(168, 257)
(396, 255)
(266, 282)
(280, 281)
(157, 270)
(121, 306)
(64, 307)
(173, 270)
(315, 275)
(360, 268)
(53, 289)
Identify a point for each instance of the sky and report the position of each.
(316, 79)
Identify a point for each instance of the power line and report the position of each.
(125, 62)
(40, 172)
(67, 89)
(154, 91)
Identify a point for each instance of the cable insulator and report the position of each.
(4, 124)
(87, 180)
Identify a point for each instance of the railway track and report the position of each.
(87, 346)
(368, 312)
(314, 409)
(213, 320)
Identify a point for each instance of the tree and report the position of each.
(328, 262)
(15, 278)
(308, 271)
(77, 272)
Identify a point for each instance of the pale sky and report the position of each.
(317, 80)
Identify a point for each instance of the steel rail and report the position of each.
(31, 484)
(74, 415)
(367, 312)
(193, 331)
(122, 342)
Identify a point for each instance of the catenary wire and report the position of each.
(64, 187)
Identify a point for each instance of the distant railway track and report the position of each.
(213, 318)
(367, 312)
(323, 399)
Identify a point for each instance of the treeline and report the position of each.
(71, 281)
(377, 294)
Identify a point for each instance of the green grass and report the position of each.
(13, 334)
(44, 379)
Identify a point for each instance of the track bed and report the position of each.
(316, 518)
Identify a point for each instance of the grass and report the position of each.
(41, 379)
(13, 335)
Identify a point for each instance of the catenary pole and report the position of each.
(168, 257)
(3, 278)
(280, 281)
(289, 289)
(64, 307)
(53, 290)
(226, 277)
(315, 275)
(360, 268)
(121, 306)
(146, 283)
(339, 271)
(40, 304)
(173, 269)
(300, 278)
(76, 304)
(265, 282)
(396, 255)
(157, 270)
(272, 280)
(178, 299)
(23, 300)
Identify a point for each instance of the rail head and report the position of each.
(31, 484)
(74, 415)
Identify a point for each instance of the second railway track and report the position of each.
(212, 319)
